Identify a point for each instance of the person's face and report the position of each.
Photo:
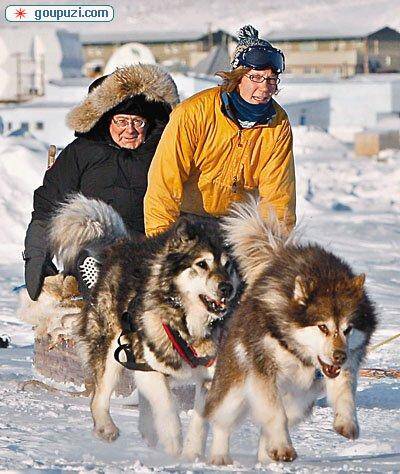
(128, 131)
(258, 92)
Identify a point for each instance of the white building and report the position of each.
(44, 117)
(355, 103)
(30, 58)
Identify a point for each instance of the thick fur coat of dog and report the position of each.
(303, 309)
(182, 279)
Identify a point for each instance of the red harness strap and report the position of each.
(188, 353)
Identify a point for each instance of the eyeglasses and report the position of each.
(271, 81)
(124, 123)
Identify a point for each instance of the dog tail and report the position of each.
(80, 221)
(253, 239)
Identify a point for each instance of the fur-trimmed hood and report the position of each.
(149, 80)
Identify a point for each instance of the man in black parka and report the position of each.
(98, 164)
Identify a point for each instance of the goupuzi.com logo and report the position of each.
(59, 13)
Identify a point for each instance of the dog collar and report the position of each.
(186, 351)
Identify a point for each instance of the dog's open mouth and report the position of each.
(214, 306)
(331, 371)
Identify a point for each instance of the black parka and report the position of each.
(94, 165)
(102, 170)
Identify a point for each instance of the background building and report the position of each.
(29, 60)
(178, 50)
(339, 53)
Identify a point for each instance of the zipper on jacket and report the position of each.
(235, 185)
(240, 138)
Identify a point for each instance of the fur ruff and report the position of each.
(80, 221)
(150, 80)
(253, 239)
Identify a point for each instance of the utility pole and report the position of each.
(19, 77)
(366, 56)
(210, 35)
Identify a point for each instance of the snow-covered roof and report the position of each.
(321, 33)
(140, 37)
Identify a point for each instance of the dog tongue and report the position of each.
(330, 371)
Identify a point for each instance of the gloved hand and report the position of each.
(38, 263)
(36, 269)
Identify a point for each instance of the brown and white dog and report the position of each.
(304, 310)
(181, 282)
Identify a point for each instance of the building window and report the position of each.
(9, 126)
(376, 47)
(24, 126)
(308, 46)
(388, 60)
(39, 125)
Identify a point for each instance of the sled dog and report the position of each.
(304, 313)
(180, 283)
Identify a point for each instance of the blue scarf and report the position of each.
(250, 112)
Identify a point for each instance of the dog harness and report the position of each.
(186, 351)
(129, 326)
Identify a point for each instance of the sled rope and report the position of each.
(380, 373)
(385, 341)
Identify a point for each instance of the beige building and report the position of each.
(342, 54)
(177, 50)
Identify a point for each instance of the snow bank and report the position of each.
(23, 163)
(331, 178)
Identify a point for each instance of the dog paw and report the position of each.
(221, 459)
(348, 429)
(107, 432)
(286, 454)
(172, 448)
(151, 441)
(191, 456)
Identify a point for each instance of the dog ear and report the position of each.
(185, 231)
(358, 281)
(302, 290)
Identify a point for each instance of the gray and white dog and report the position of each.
(181, 282)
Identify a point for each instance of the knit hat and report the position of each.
(256, 53)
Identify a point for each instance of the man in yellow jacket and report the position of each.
(226, 142)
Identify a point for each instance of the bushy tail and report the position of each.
(80, 221)
(253, 239)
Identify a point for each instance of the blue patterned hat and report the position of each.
(256, 53)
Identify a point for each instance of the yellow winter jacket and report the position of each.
(205, 161)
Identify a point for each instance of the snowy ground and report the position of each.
(349, 204)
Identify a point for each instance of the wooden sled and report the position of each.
(56, 359)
